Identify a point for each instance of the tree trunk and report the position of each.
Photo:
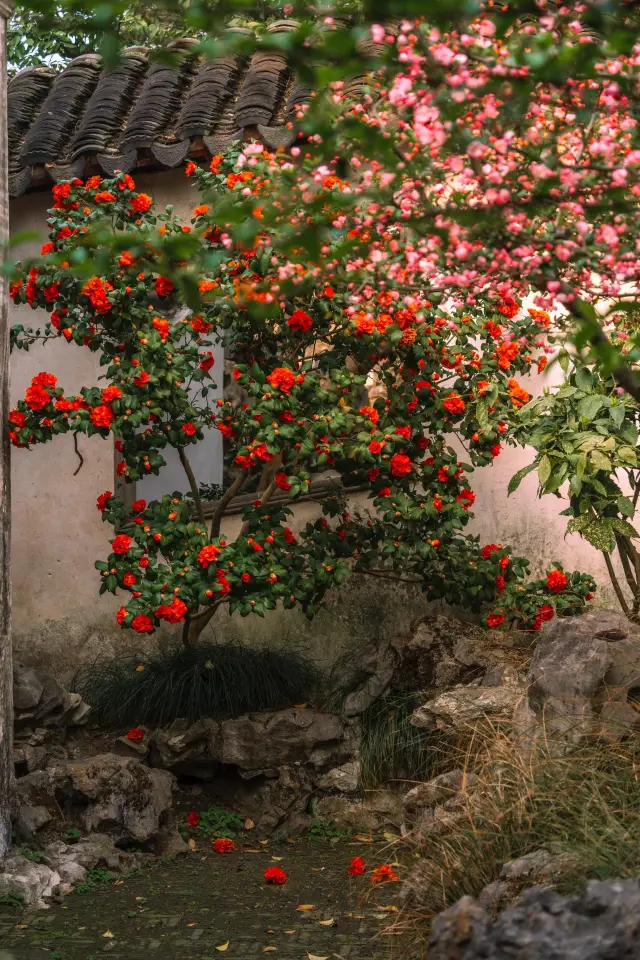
(6, 673)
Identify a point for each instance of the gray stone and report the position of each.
(344, 779)
(438, 791)
(377, 665)
(380, 809)
(265, 741)
(169, 843)
(96, 850)
(34, 881)
(30, 819)
(601, 923)
(71, 872)
(27, 687)
(458, 708)
(124, 798)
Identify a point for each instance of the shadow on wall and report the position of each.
(364, 609)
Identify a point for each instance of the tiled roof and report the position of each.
(146, 113)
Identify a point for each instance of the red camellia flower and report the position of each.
(142, 624)
(208, 554)
(356, 867)
(283, 378)
(371, 413)
(375, 447)
(467, 498)
(105, 196)
(138, 506)
(556, 581)
(486, 551)
(223, 845)
(281, 481)
(208, 361)
(129, 579)
(121, 543)
(174, 612)
(36, 397)
(111, 393)
(193, 819)
(275, 875)
(141, 203)
(136, 735)
(102, 416)
(141, 379)
(453, 403)
(400, 465)
(18, 417)
(300, 321)
(103, 499)
(164, 286)
(494, 620)
(189, 429)
(438, 504)
(508, 307)
(121, 615)
(545, 613)
(190, 168)
(384, 874)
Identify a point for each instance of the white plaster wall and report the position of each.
(59, 620)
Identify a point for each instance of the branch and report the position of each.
(622, 372)
(224, 502)
(80, 457)
(615, 584)
(387, 575)
(264, 498)
(184, 460)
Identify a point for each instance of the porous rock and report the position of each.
(33, 881)
(600, 923)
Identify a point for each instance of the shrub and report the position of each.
(211, 680)
(586, 803)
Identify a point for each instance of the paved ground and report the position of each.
(192, 907)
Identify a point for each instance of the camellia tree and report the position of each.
(303, 359)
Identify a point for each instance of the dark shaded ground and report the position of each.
(186, 908)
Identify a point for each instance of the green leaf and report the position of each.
(589, 406)
(627, 455)
(518, 477)
(584, 378)
(600, 461)
(617, 414)
(597, 531)
(482, 413)
(625, 506)
(544, 470)
(623, 527)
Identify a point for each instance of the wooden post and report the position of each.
(6, 670)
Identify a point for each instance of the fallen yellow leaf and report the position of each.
(118, 883)
(108, 934)
(276, 858)
(311, 957)
(223, 947)
(391, 837)
(22, 926)
(326, 923)
(192, 844)
(249, 824)
(289, 932)
(358, 836)
(192, 924)
(300, 706)
(304, 907)
(263, 842)
(389, 909)
(269, 949)
(317, 869)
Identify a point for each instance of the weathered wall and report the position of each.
(60, 621)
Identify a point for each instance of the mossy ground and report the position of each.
(188, 907)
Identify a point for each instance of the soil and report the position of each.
(190, 907)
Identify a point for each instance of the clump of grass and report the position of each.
(393, 749)
(585, 804)
(208, 680)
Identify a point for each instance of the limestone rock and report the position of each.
(443, 651)
(373, 666)
(33, 881)
(344, 779)
(123, 797)
(273, 801)
(378, 810)
(38, 697)
(600, 923)
(440, 790)
(582, 679)
(455, 709)
(29, 819)
(184, 748)
(96, 850)
(265, 741)
(169, 843)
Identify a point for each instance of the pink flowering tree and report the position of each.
(304, 354)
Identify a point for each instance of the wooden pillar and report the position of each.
(6, 671)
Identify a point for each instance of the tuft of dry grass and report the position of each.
(585, 803)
